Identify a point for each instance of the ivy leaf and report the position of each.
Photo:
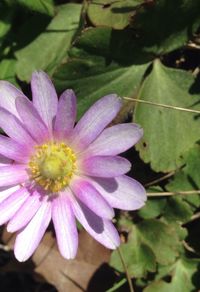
(49, 48)
(97, 66)
(168, 133)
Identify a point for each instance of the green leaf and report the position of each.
(41, 6)
(115, 14)
(7, 70)
(149, 242)
(48, 49)
(165, 25)
(139, 258)
(5, 20)
(168, 133)
(177, 210)
(187, 179)
(182, 273)
(102, 62)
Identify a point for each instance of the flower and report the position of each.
(51, 169)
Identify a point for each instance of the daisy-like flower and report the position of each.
(51, 169)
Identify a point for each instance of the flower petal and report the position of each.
(65, 226)
(87, 194)
(13, 150)
(121, 192)
(105, 166)
(29, 238)
(8, 94)
(31, 119)
(66, 114)
(10, 205)
(14, 128)
(25, 213)
(101, 229)
(5, 161)
(115, 140)
(95, 120)
(12, 174)
(5, 192)
(44, 96)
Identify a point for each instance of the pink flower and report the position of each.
(52, 170)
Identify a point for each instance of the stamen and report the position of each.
(52, 166)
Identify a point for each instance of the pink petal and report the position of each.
(14, 128)
(13, 174)
(5, 161)
(10, 205)
(101, 229)
(29, 238)
(32, 120)
(13, 150)
(121, 192)
(25, 213)
(5, 192)
(105, 166)
(8, 94)
(44, 96)
(95, 120)
(87, 194)
(66, 114)
(115, 140)
(65, 226)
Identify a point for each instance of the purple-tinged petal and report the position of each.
(26, 212)
(101, 229)
(14, 128)
(32, 120)
(95, 120)
(65, 226)
(13, 150)
(10, 205)
(8, 94)
(12, 175)
(66, 114)
(44, 97)
(5, 192)
(5, 161)
(29, 238)
(88, 195)
(115, 140)
(105, 166)
(121, 192)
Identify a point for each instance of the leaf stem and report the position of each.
(155, 181)
(162, 194)
(162, 105)
(125, 269)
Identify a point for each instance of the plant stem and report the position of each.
(163, 105)
(162, 194)
(153, 182)
(125, 270)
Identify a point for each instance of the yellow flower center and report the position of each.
(52, 166)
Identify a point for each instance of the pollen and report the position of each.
(52, 166)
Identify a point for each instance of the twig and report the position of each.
(125, 270)
(162, 194)
(155, 181)
(162, 105)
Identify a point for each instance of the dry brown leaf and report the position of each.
(65, 275)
